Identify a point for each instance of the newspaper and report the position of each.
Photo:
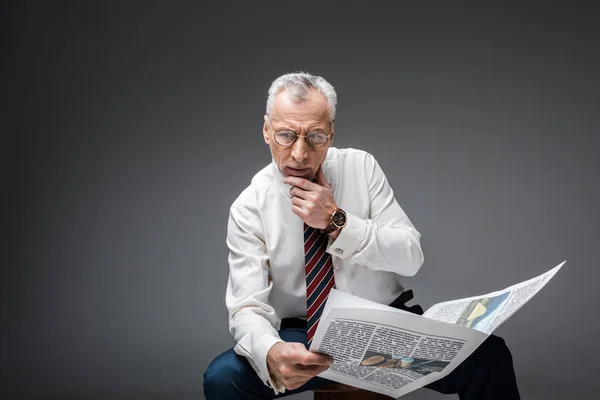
(393, 352)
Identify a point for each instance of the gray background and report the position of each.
(129, 129)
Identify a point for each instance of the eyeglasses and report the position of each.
(287, 138)
(313, 139)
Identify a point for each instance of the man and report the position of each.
(315, 218)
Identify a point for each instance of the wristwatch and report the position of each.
(336, 221)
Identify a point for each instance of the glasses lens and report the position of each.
(317, 139)
(285, 138)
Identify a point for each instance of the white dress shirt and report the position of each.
(267, 281)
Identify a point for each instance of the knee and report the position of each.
(222, 374)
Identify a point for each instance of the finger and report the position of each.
(289, 376)
(306, 207)
(303, 204)
(295, 383)
(307, 358)
(312, 358)
(298, 372)
(299, 182)
(302, 373)
(298, 192)
(321, 180)
(299, 211)
(311, 370)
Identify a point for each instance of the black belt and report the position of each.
(404, 298)
(400, 303)
(293, 323)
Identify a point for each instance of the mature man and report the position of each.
(315, 218)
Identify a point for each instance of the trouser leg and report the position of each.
(487, 374)
(231, 377)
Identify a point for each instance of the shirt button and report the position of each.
(339, 251)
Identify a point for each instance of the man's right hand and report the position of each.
(292, 365)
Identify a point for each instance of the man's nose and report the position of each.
(300, 150)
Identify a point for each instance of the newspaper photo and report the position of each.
(393, 352)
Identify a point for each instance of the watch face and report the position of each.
(339, 218)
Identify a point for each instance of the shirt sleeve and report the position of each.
(387, 240)
(251, 319)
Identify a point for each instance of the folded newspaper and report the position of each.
(393, 352)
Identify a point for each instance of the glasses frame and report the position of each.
(329, 136)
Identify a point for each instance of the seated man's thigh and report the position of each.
(231, 376)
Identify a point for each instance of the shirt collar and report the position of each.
(278, 177)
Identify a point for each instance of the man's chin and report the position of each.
(305, 173)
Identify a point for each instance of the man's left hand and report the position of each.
(312, 202)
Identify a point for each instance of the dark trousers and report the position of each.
(487, 374)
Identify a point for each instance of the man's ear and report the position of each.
(266, 135)
(332, 132)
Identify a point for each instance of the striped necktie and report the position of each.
(319, 276)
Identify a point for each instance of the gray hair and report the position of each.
(299, 84)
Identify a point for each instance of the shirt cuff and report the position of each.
(349, 238)
(261, 348)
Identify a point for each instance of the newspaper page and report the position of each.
(487, 312)
(393, 352)
(385, 350)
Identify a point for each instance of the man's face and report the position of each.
(299, 159)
